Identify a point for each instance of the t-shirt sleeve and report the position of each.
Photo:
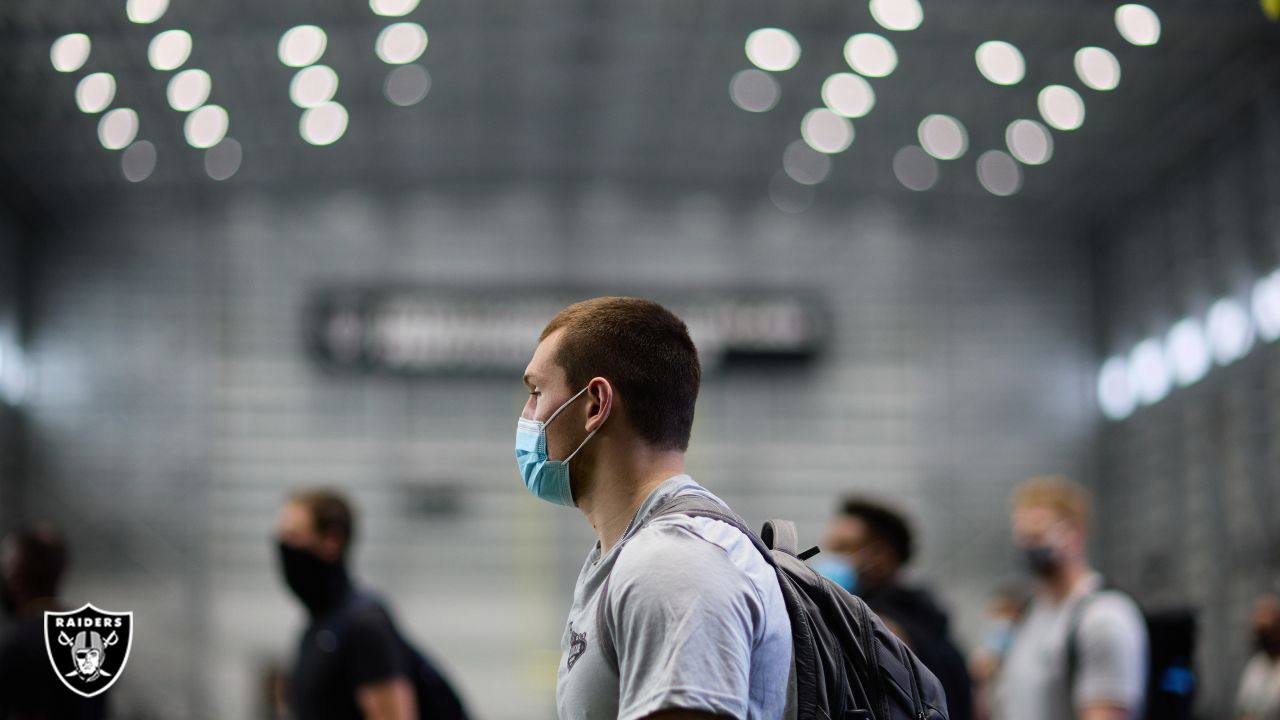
(1252, 681)
(1113, 654)
(373, 650)
(684, 621)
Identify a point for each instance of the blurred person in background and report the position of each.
(1004, 610)
(693, 612)
(1259, 694)
(1038, 679)
(867, 547)
(353, 663)
(32, 561)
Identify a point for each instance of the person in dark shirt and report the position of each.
(870, 544)
(32, 561)
(352, 661)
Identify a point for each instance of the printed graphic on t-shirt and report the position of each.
(577, 646)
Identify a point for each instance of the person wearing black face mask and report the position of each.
(32, 561)
(1259, 694)
(352, 661)
(1039, 680)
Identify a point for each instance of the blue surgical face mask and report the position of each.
(998, 636)
(545, 478)
(839, 571)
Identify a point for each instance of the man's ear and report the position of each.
(600, 402)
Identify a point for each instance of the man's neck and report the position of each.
(620, 488)
(1060, 586)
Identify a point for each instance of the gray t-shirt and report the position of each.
(1111, 660)
(696, 616)
(1259, 695)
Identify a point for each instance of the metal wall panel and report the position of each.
(11, 488)
(1190, 488)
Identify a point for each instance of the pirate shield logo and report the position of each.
(88, 647)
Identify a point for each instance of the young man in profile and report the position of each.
(693, 612)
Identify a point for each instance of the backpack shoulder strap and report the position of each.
(1073, 631)
(1073, 640)
(781, 535)
(692, 505)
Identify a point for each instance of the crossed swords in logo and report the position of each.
(107, 642)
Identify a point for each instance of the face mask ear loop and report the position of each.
(584, 442)
(565, 405)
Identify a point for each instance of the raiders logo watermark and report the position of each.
(89, 647)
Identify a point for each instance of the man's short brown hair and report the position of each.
(1068, 499)
(330, 512)
(645, 351)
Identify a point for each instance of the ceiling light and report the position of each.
(943, 137)
(1138, 24)
(1148, 372)
(169, 50)
(804, 164)
(915, 168)
(145, 12)
(754, 90)
(14, 380)
(900, 15)
(1061, 107)
(189, 89)
(1000, 62)
(848, 94)
(773, 49)
(407, 85)
(323, 124)
(1097, 68)
(998, 173)
(1266, 306)
(206, 126)
(1029, 141)
(69, 52)
(313, 85)
(392, 8)
(401, 43)
(95, 92)
(223, 160)
(1187, 351)
(1230, 331)
(1115, 397)
(302, 45)
(870, 55)
(138, 161)
(118, 128)
(826, 131)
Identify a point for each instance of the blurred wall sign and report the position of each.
(437, 331)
